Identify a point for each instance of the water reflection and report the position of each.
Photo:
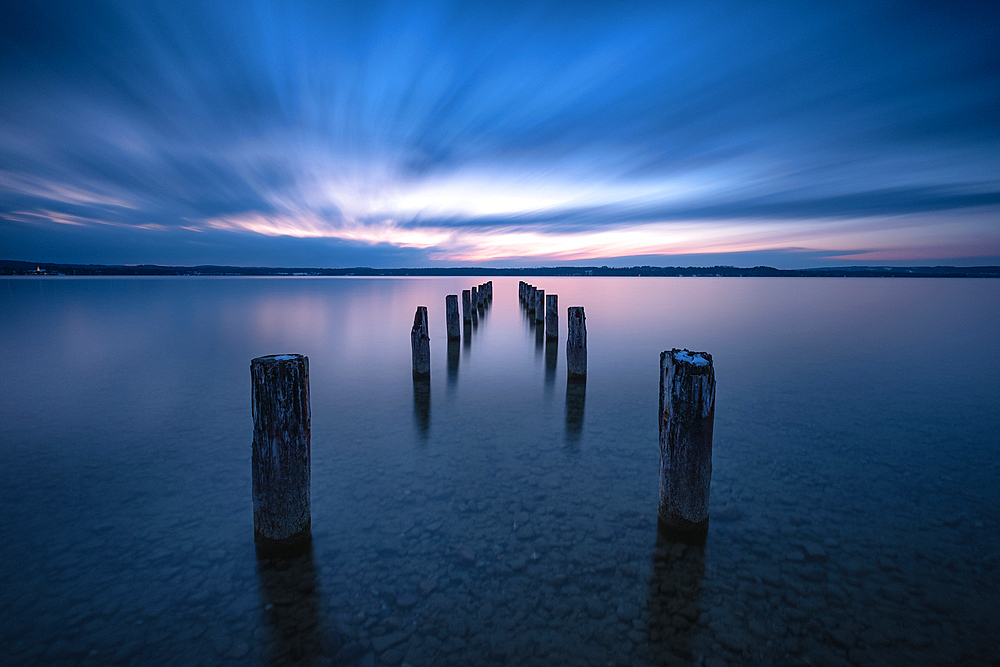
(576, 394)
(422, 405)
(291, 611)
(551, 360)
(834, 553)
(454, 348)
(467, 338)
(674, 592)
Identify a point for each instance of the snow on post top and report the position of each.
(691, 358)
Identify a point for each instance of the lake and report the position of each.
(502, 517)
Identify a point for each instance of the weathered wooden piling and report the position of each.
(532, 290)
(687, 418)
(467, 306)
(576, 342)
(540, 307)
(552, 315)
(451, 313)
(475, 298)
(420, 343)
(281, 453)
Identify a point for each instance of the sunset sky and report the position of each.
(500, 133)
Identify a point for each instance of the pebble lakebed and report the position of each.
(555, 560)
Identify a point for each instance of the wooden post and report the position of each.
(540, 307)
(552, 315)
(467, 306)
(531, 298)
(281, 453)
(420, 342)
(451, 313)
(687, 417)
(576, 341)
(475, 298)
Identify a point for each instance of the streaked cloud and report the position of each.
(518, 133)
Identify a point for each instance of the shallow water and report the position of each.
(501, 516)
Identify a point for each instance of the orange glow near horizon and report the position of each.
(885, 238)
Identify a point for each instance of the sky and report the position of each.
(411, 134)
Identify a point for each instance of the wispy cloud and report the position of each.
(46, 189)
(513, 132)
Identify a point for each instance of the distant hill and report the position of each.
(11, 267)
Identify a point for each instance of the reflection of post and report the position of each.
(552, 315)
(467, 336)
(551, 358)
(281, 453)
(539, 340)
(687, 417)
(451, 313)
(453, 351)
(576, 394)
(422, 404)
(291, 607)
(540, 308)
(576, 342)
(420, 343)
(674, 591)
(466, 305)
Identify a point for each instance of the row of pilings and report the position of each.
(281, 448)
(543, 310)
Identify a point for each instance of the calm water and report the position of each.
(499, 518)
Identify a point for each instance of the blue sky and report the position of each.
(500, 134)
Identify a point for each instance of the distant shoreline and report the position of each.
(18, 268)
